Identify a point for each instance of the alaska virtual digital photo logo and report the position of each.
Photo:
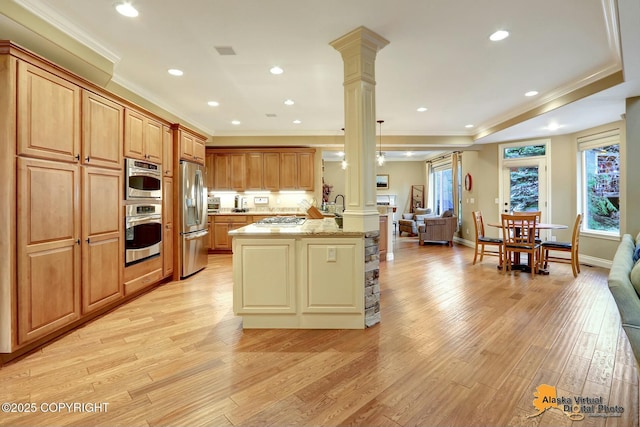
(575, 408)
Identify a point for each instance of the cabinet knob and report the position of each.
(78, 157)
(88, 159)
(77, 241)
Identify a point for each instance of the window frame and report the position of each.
(585, 144)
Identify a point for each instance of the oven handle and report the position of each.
(144, 219)
(144, 172)
(197, 235)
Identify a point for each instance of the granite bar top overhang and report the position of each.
(326, 227)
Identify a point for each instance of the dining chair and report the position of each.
(571, 247)
(519, 236)
(482, 240)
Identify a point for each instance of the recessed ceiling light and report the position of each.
(553, 126)
(175, 72)
(421, 109)
(213, 103)
(297, 122)
(276, 70)
(288, 102)
(126, 9)
(340, 153)
(499, 35)
(235, 122)
(468, 126)
(531, 93)
(408, 154)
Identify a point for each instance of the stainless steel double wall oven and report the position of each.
(143, 210)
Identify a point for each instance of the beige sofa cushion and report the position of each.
(634, 276)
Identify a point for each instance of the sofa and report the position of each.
(438, 228)
(624, 284)
(410, 221)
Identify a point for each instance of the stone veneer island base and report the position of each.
(311, 276)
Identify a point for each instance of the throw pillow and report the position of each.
(636, 253)
(448, 213)
(634, 276)
(420, 218)
(407, 216)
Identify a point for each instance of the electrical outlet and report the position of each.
(331, 254)
(553, 238)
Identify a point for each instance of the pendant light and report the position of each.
(380, 155)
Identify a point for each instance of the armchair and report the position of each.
(409, 222)
(438, 229)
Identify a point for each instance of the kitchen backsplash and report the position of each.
(275, 202)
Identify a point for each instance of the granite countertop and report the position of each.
(257, 212)
(326, 227)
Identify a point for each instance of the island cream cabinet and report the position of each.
(297, 281)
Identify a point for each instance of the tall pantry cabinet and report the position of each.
(61, 234)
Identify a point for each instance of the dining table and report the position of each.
(517, 265)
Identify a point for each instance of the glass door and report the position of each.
(524, 186)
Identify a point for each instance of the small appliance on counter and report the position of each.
(240, 204)
(213, 204)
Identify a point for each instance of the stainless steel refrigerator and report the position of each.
(193, 218)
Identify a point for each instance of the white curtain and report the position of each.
(427, 188)
(456, 183)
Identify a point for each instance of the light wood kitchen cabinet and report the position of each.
(102, 235)
(48, 115)
(255, 171)
(102, 131)
(271, 171)
(222, 224)
(190, 145)
(167, 151)
(296, 171)
(167, 215)
(238, 171)
(48, 247)
(221, 172)
(305, 171)
(142, 137)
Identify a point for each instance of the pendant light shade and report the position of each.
(380, 156)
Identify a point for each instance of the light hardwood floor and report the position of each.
(459, 345)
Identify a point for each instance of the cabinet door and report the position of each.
(210, 166)
(103, 249)
(238, 171)
(167, 151)
(271, 171)
(134, 124)
(48, 290)
(221, 238)
(288, 171)
(199, 151)
(102, 131)
(153, 137)
(254, 165)
(305, 171)
(48, 115)
(167, 238)
(221, 172)
(187, 146)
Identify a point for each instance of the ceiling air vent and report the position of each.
(271, 115)
(225, 50)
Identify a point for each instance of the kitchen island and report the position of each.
(309, 275)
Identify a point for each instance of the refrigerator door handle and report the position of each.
(191, 236)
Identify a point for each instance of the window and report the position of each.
(519, 152)
(600, 182)
(442, 189)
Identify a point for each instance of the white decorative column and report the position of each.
(359, 49)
